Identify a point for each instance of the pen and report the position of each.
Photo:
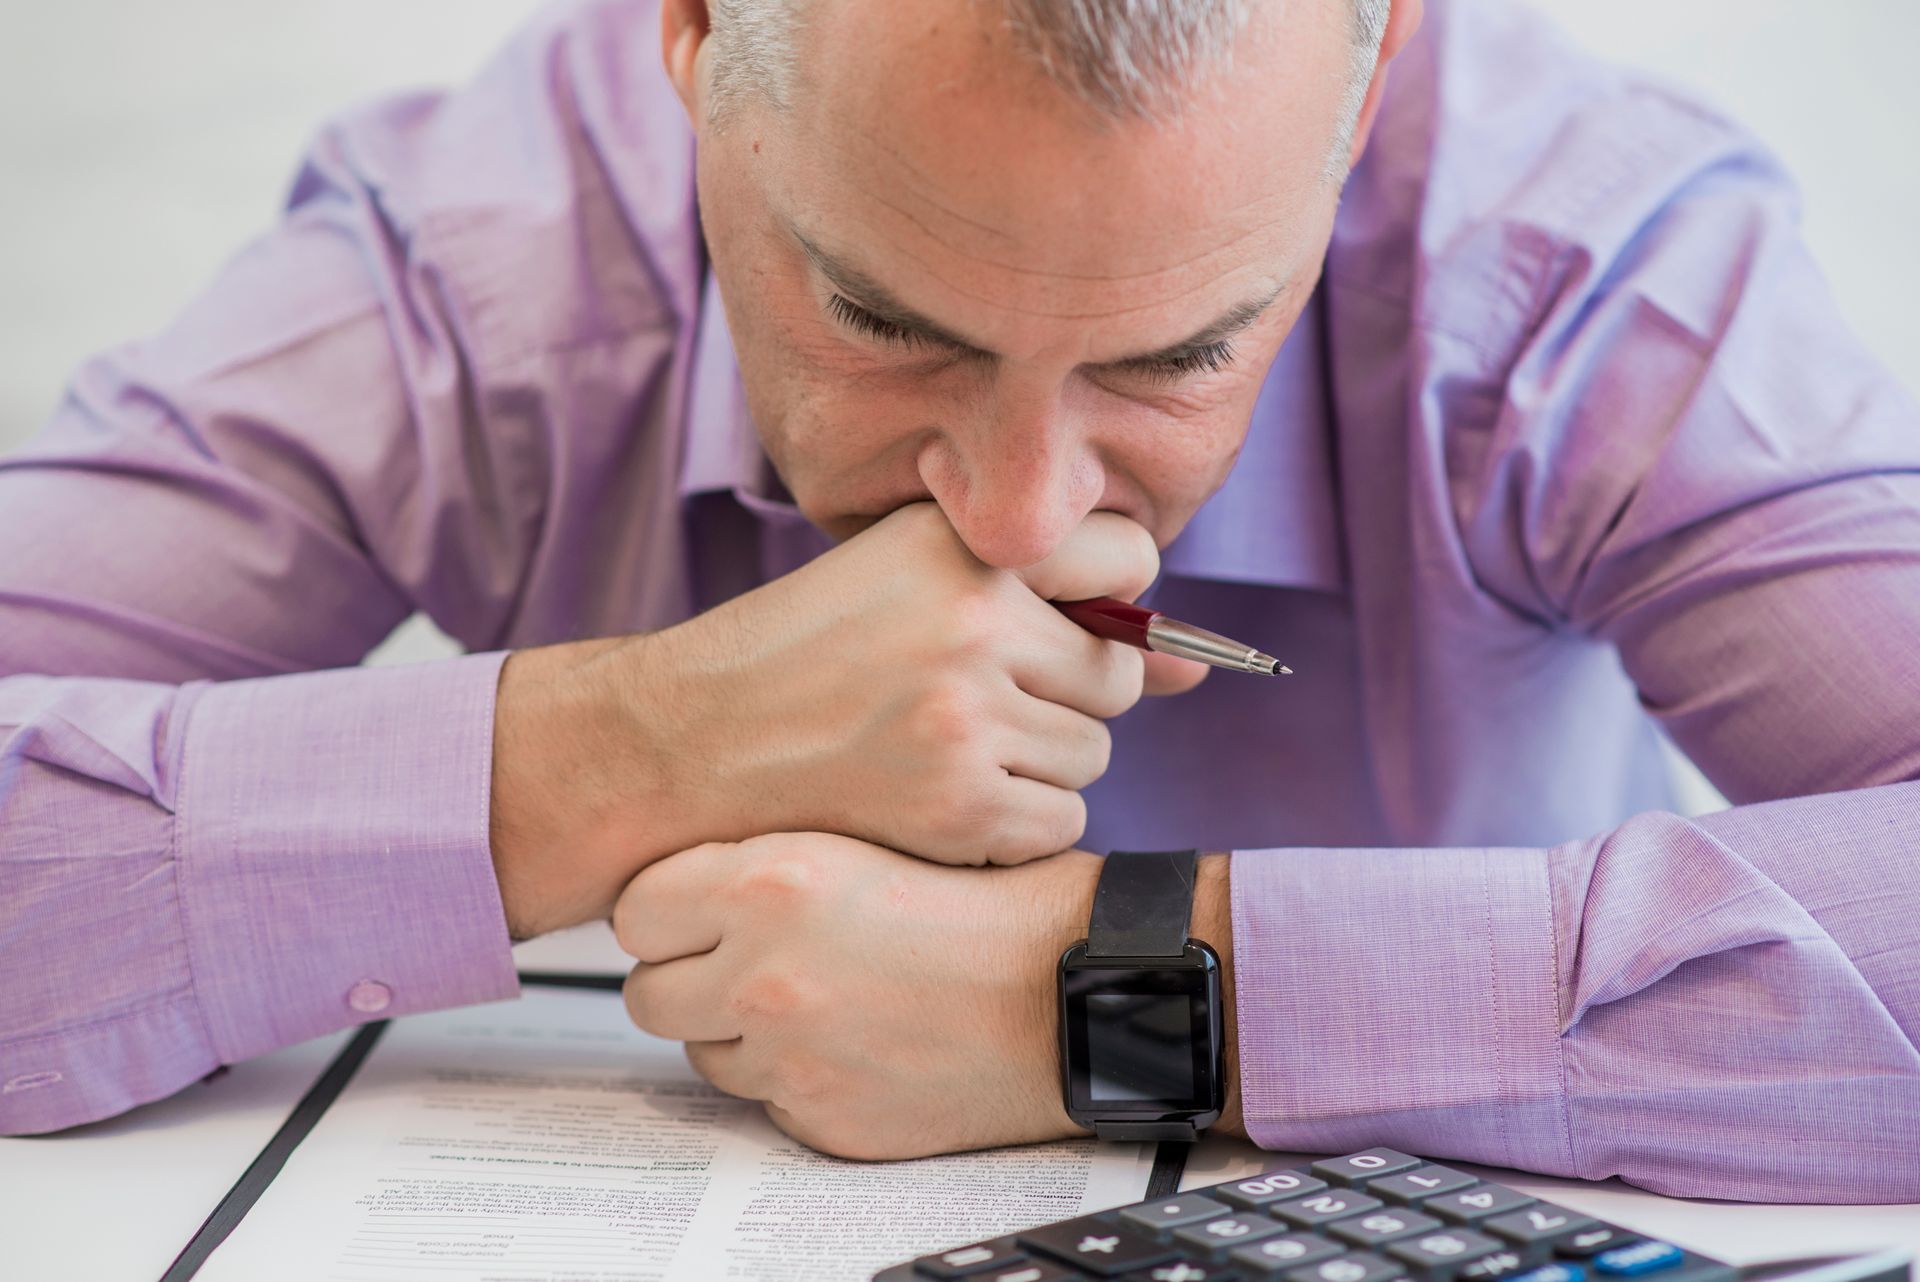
(1136, 625)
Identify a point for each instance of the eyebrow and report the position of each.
(863, 291)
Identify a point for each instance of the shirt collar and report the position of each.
(1274, 522)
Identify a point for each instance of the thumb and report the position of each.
(1170, 674)
(1105, 555)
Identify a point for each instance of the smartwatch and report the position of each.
(1142, 1046)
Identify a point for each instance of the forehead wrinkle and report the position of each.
(1044, 276)
(1110, 314)
(925, 186)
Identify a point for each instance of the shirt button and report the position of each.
(369, 997)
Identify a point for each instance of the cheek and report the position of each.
(1176, 460)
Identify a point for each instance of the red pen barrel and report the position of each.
(1115, 620)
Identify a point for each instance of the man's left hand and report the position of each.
(880, 1005)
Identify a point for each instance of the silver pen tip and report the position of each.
(1268, 664)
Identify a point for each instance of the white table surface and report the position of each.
(116, 1201)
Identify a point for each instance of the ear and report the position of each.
(1402, 21)
(684, 28)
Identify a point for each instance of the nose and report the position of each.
(1016, 485)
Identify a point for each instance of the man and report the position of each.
(1536, 422)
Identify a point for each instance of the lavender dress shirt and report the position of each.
(1570, 446)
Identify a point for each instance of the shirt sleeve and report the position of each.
(215, 836)
(1688, 457)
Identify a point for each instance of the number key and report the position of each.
(1228, 1231)
(1274, 1186)
(1333, 1204)
(1278, 1253)
(1538, 1223)
(1348, 1268)
(1382, 1226)
(1441, 1254)
(1476, 1204)
(1409, 1188)
(1355, 1167)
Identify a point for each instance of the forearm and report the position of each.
(195, 876)
(1722, 1008)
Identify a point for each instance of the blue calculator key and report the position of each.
(1632, 1261)
(1553, 1273)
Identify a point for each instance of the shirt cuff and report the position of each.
(331, 833)
(1400, 997)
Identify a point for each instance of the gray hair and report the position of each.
(1127, 59)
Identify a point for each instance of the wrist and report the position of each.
(1067, 913)
(566, 788)
(1213, 926)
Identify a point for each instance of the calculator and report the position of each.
(1374, 1216)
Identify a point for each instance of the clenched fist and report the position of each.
(897, 690)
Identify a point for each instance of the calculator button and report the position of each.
(1279, 1253)
(965, 1261)
(1553, 1273)
(1173, 1212)
(1502, 1264)
(1228, 1231)
(1631, 1261)
(1382, 1226)
(1582, 1243)
(1095, 1246)
(1348, 1268)
(1441, 1254)
(1274, 1186)
(1030, 1271)
(1411, 1187)
(1538, 1223)
(1185, 1271)
(1319, 1208)
(1476, 1204)
(1356, 1167)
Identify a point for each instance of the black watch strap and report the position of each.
(1143, 904)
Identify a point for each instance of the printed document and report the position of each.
(548, 1140)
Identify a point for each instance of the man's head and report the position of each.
(1029, 258)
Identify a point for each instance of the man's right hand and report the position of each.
(896, 690)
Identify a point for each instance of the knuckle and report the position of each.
(806, 1077)
(626, 920)
(770, 996)
(779, 880)
(945, 717)
(638, 999)
(973, 622)
(1099, 750)
(1062, 826)
(1125, 678)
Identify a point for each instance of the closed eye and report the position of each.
(1204, 358)
(1208, 358)
(861, 321)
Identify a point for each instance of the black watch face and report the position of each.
(1141, 1037)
